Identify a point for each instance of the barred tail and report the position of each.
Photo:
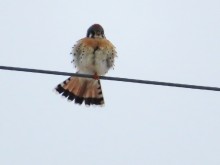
(82, 90)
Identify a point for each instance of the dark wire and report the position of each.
(111, 78)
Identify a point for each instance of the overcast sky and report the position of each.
(172, 41)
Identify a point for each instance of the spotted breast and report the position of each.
(94, 56)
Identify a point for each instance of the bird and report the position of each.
(93, 55)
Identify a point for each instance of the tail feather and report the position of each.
(82, 90)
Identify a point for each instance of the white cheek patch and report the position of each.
(90, 35)
(98, 36)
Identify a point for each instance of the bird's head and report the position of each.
(95, 31)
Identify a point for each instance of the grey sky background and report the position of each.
(171, 41)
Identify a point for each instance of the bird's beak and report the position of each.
(98, 33)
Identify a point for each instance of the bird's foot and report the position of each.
(96, 76)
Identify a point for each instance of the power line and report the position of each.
(111, 78)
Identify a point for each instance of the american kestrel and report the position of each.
(92, 55)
